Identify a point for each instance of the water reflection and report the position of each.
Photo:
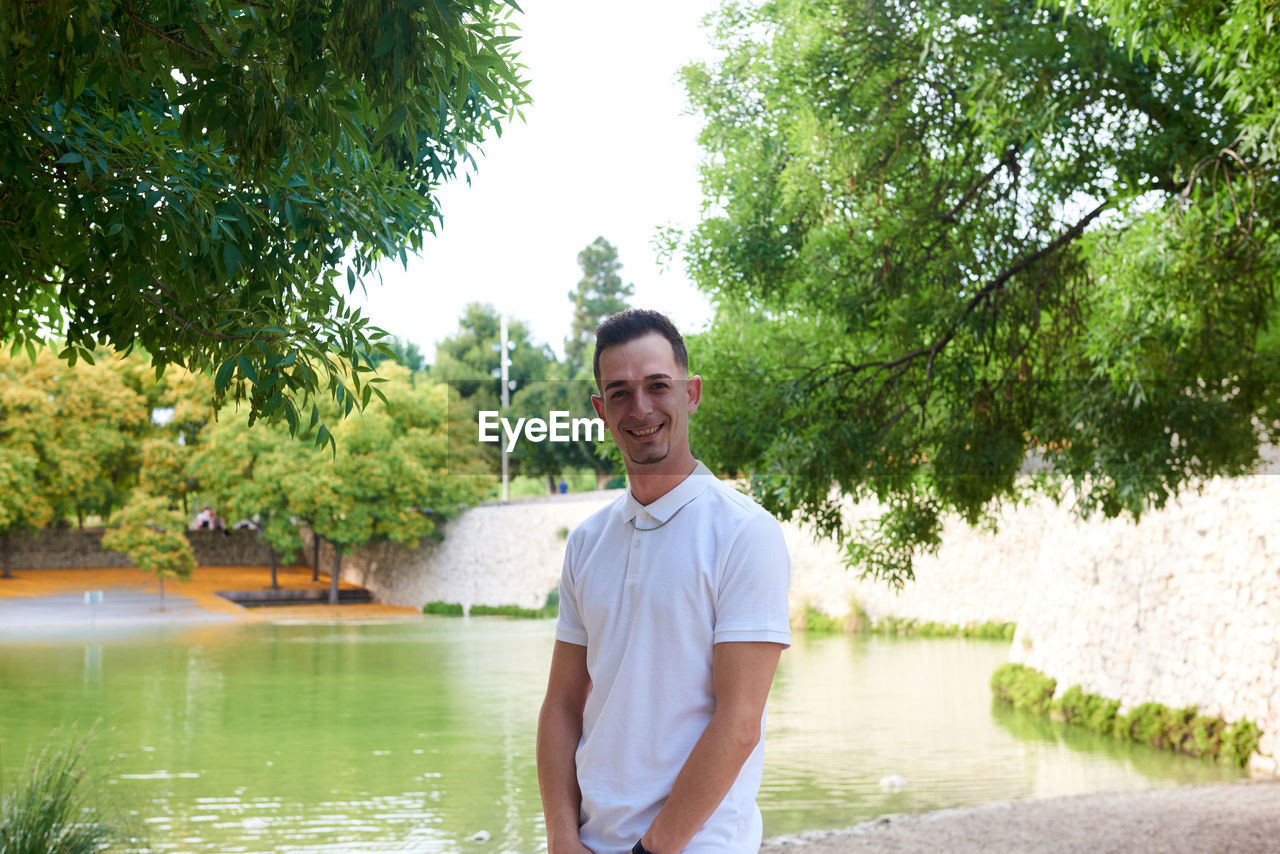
(413, 737)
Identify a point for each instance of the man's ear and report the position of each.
(597, 403)
(693, 387)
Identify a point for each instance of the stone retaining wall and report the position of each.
(1181, 609)
(63, 548)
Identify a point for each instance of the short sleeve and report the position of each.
(569, 625)
(751, 596)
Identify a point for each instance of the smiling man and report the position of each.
(673, 614)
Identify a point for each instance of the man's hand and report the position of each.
(741, 675)
(559, 730)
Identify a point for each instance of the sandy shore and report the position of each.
(1217, 818)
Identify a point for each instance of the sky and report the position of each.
(606, 150)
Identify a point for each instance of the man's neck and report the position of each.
(649, 487)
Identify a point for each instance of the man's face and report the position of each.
(645, 401)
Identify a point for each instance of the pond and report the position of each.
(417, 736)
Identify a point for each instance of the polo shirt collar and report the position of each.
(648, 516)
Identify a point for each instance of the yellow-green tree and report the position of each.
(394, 474)
(153, 537)
(22, 507)
(247, 471)
(85, 425)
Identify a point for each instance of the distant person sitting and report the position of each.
(564, 487)
(204, 519)
(207, 520)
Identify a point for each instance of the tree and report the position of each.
(22, 506)
(248, 471)
(402, 351)
(468, 359)
(1231, 44)
(946, 236)
(154, 537)
(600, 293)
(191, 178)
(85, 426)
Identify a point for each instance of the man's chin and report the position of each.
(651, 460)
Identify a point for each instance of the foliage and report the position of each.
(1023, 688)
(930, 629)
(549, 459)
(190, 178)
(402, 351)
(153, 536)
(1183, 731)
(1232, 44)
(1087, 710)
(396, 474)
(468, 359)
(46, 811)
(22, 506)
(452, 609)
(948, 236)
(83, 424)
(446, 609)
(600, 293)
(164, 469)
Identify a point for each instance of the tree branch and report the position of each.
(186, 324)
(133, 16)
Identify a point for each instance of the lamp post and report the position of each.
(505, 346)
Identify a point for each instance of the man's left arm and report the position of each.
(742, 673)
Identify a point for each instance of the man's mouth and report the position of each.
(644, 432)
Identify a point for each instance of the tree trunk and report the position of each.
(602, 478)
(551, 485)
(4, 547)
(315, 555)
(333, 577)
(275, 585)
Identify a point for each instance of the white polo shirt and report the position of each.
(649, 590)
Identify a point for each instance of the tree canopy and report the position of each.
(600, 293)
(951, 238)
(192, 178)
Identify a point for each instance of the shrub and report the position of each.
(1181, 730)
(47, 813)
(452, 609)
(1239, 742)
(1023, 687)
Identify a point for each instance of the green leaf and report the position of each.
(223, 378)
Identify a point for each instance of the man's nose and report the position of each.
(641, 404)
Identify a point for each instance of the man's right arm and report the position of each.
(559, 731)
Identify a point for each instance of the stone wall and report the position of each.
(63, 548)
(494, 554)
(1181, 609)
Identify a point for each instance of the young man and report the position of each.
(673, 613)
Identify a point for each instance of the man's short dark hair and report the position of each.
(636, 323)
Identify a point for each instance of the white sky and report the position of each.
(605, 151)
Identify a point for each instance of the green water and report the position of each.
(412, 737)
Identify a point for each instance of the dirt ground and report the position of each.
(1217, 818)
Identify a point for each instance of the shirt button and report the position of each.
(636, 545)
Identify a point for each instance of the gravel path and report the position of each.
(1218, 818)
